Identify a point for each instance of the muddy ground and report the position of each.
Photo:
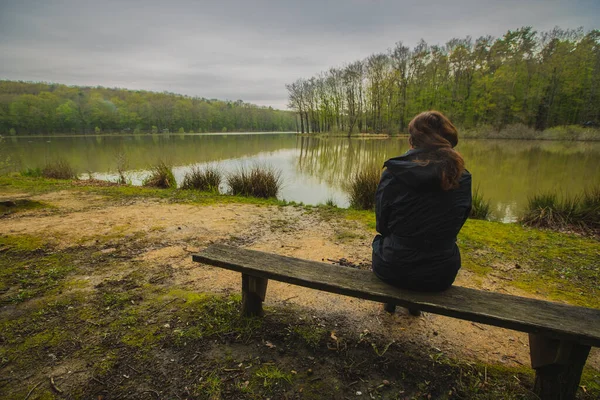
(134, 317)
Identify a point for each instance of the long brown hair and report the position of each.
(433, 132)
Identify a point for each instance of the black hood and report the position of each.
(414, 174)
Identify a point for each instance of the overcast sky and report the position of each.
(242, 49)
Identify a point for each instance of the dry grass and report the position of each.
(362, 188)
(257, 181)
(206, 179)
(59, 169)
(161, 177)
(480, 208)
(548, 210)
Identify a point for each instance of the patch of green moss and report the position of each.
(175, 195)
(31, 185)
(345, 235)
(210, 387)
(20, 243)
(24, 350)
(590, 380)
(16, 206)
(116, 299)
(29, 269)
(211, 316)
(366, 217)
(142, 337)
(311, 335)
(270, 377)
(189, 297)
(558, 265)
(106, 362)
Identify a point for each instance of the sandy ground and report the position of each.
(175, 231)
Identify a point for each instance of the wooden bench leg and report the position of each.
(254, 290)
(389, 307)
(558, 365)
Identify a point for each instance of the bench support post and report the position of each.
(254, 290)
(558, 365)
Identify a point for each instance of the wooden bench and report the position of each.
(560, 336)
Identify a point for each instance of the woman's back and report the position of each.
(423, 200)
(414, 204)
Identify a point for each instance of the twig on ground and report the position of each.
(134, 369)
(153, 392)
(32, 389)
(161, 307)
(478, 326)
(53, 384)
(99, 381)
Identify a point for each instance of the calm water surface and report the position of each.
(315, 169)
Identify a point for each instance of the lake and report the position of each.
(314, 170)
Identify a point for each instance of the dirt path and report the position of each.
(173, 231)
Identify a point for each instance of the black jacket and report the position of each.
(418, 223)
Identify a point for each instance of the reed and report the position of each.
(580, 211)
(257, 181)
(480, 208)
(32, 172)
(59, 169)
(362, 188)
(205, 179)
(161, 176)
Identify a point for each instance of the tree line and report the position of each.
(46, 108)
(537, 79)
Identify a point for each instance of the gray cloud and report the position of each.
(241, 49)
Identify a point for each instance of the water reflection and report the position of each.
(506, 171)
(316, 169)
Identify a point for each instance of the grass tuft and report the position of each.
(161, 177)
(32, 172)
(548, 210)
(480, 208)
(59, 169)
(257, 181)
(205, 179)
(362, 188)
(272, 376)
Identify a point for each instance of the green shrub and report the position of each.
(257, 181)
(32, 172)
(572, 132)
(362, 188)
(161, 176)
(206, 179)
(549, 211)
(60, 169)
(480, 208)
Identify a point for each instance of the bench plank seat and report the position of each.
(556, 320)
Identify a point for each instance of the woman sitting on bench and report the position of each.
(422, 202)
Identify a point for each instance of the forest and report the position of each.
(47, 108)
(537, 80)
